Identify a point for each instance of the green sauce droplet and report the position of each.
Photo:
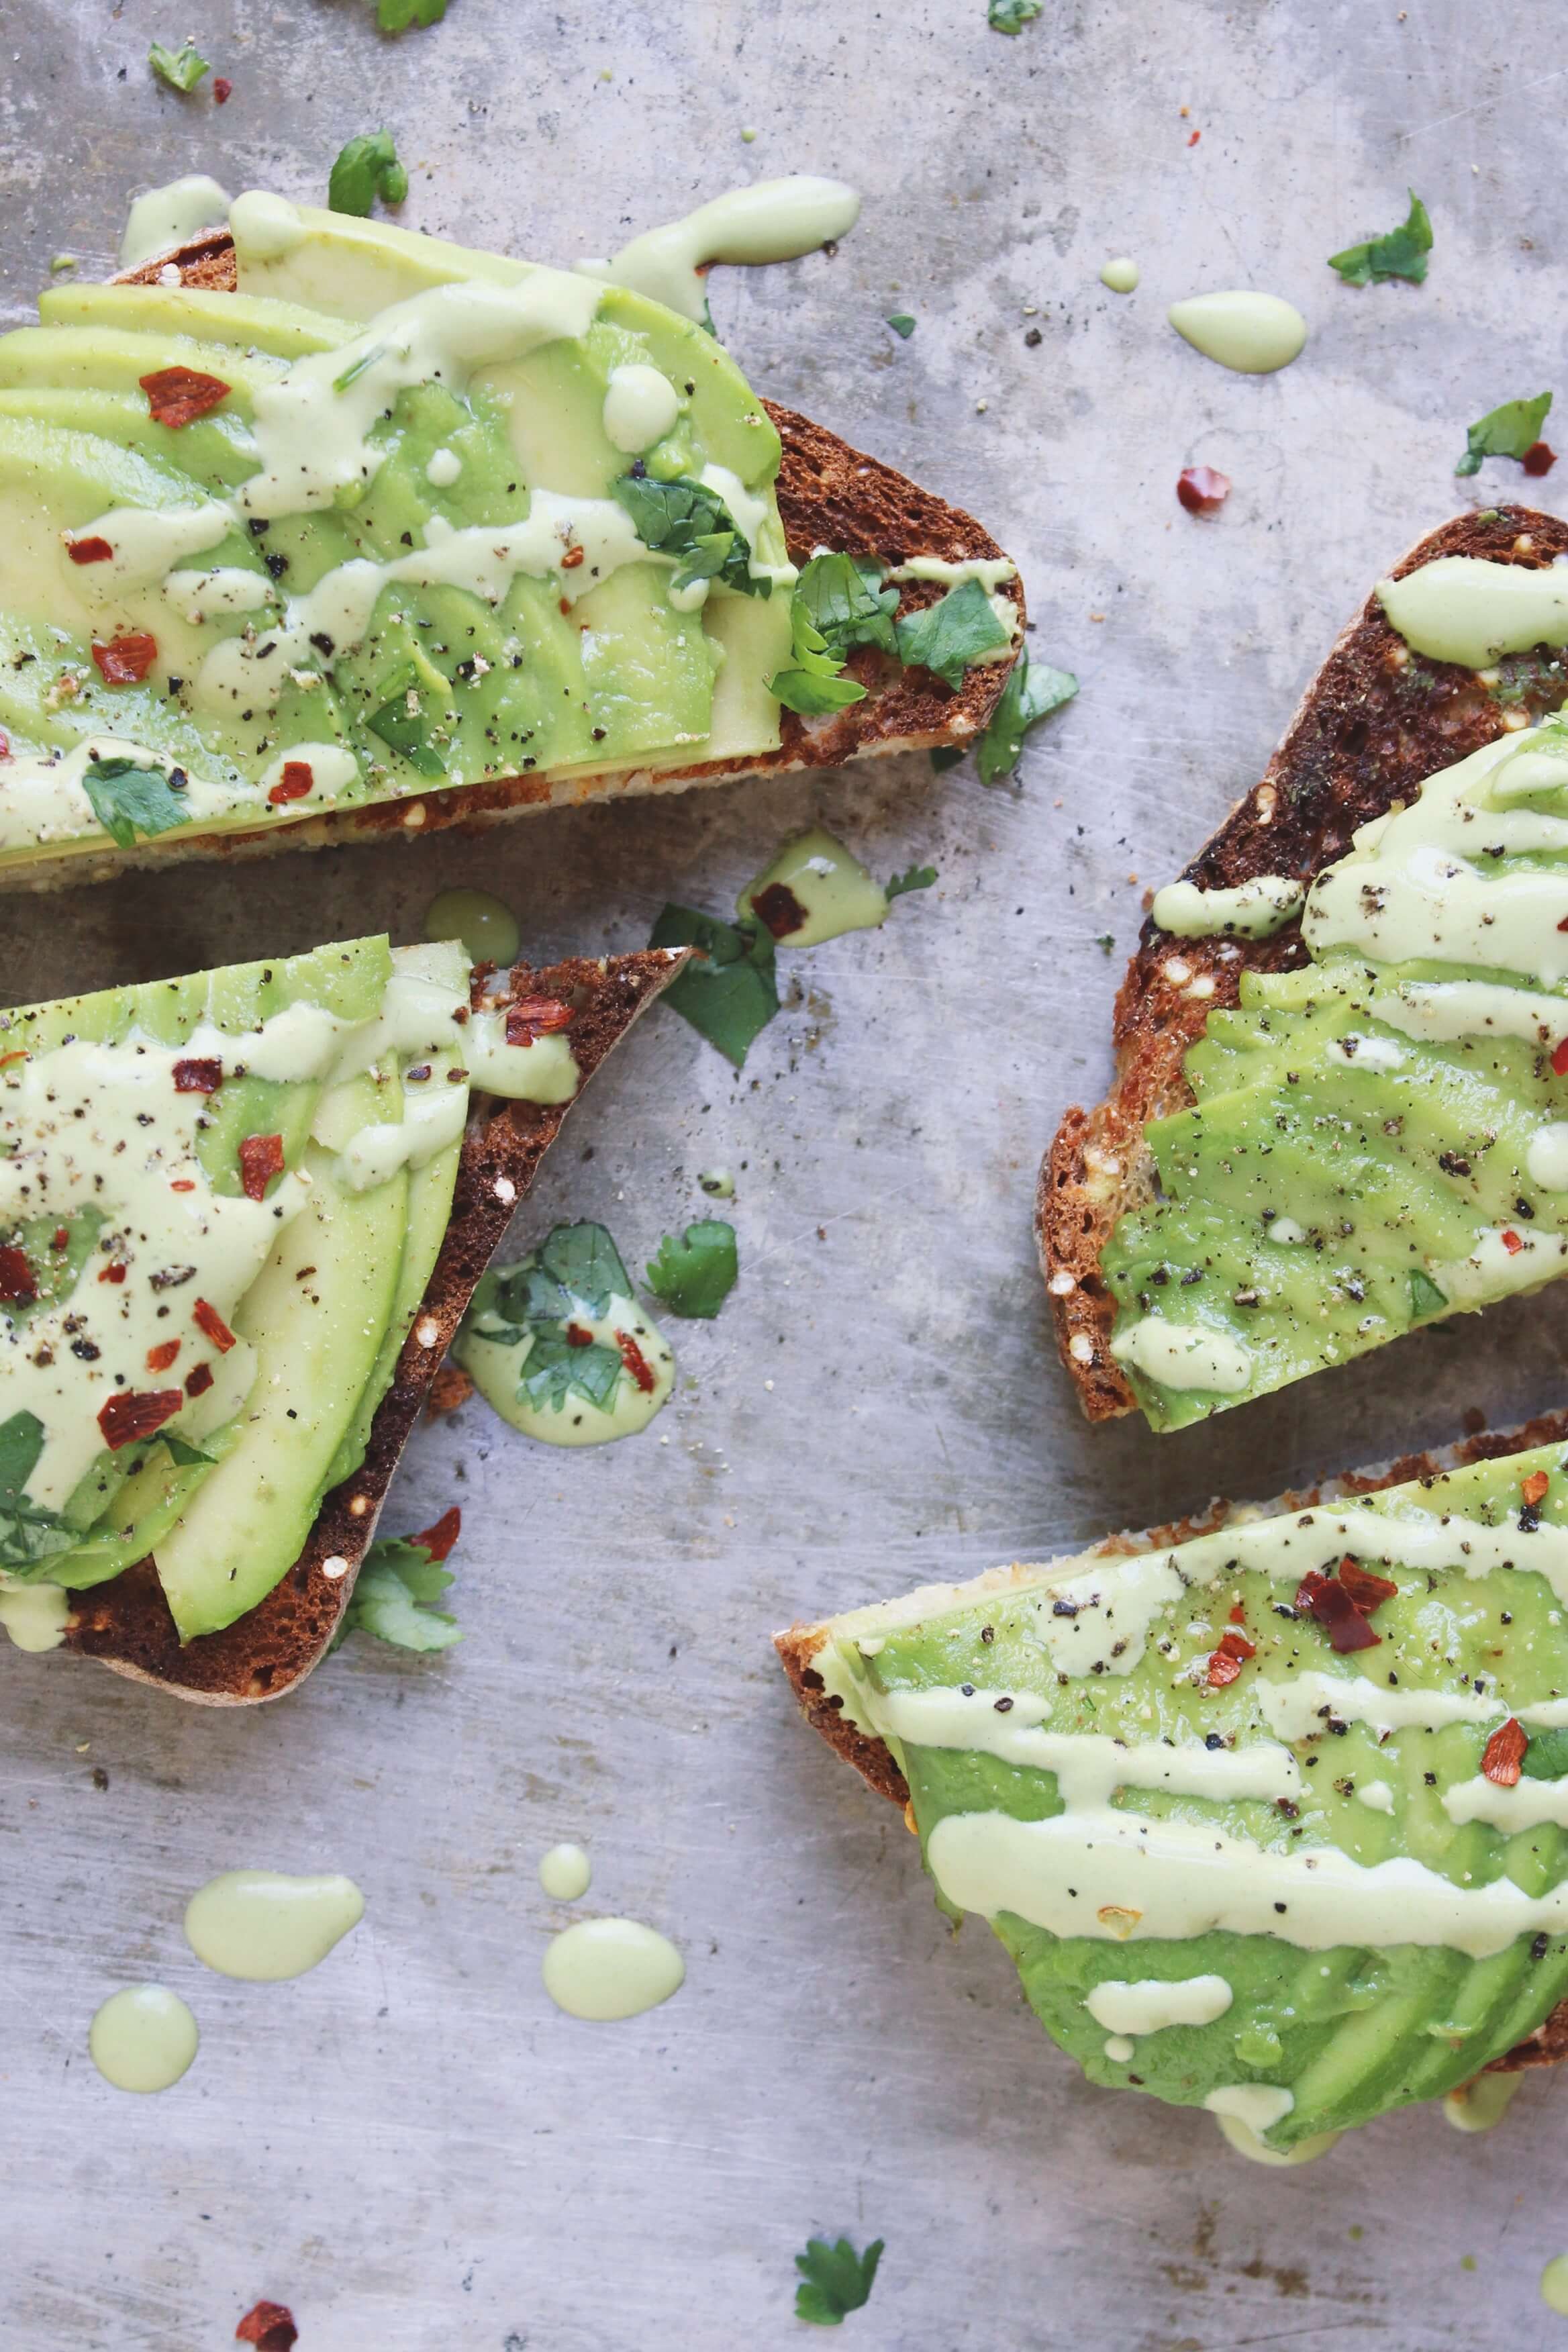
(487, 929)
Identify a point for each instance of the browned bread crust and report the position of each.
(126, 1623)
(873, 1759)
(1375, 723)
(829, 494)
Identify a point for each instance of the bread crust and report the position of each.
(126, 1622)
(797, 1646)
(1374, 724)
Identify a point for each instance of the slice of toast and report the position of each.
(126, 1624)
(799, 1645)
(1363, 738)
(829, 494)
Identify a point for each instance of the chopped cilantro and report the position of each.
(902, 324)
(1401, 254)
(181, 1452)
(182, 68)
(1425, 1299)
(950, 635)
(28, 1534)
(695, 1274)
(1507, 432)
(1105, 942)
(1029, 695)
(732, 997)
(573, 1275)
(834, 2280)
(129, 799)
(357, 366)
(684, 518)
(366, 168)
(1546, 1758)
(393, 1595)
(1012, 15)
(396, 16)
(842, 598)
(555, 1369)
(914, 877)
(401, 723)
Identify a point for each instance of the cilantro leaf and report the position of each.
(406, 729)
(396, 16)
(1425, 1299)
(1012, 15)
(902, 325)
(393, 1595)
(950, 635)
(682, 518)
(695, 1274)
(815, 693)
(1029, 696)
(21, 1443)
(553, 1371)
(28, 1534)
(181, 1452)
(1507, 432)
(835, 2280)
(731, 999)
(366, 168)
(128, 799)
(182, 68)
(842, 598)
(1401, 254)
(914, 877)
(584, 1260)
(1546, 1758)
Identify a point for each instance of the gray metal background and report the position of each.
(411, 2146)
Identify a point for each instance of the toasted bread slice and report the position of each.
(1361, 741)
(126, 1624)
(800, 1645)
(829, 494)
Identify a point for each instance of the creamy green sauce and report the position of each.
(775, 220)
(815, 889)
(483, 924)
(1462, 609)
(641, 405)
(1252, 333)
(143, 2039)
(1555, 2285)
(165, 217)
(602, 1970)
(565, 1874)
(1121, 274)
(496, 1367)
(1252, 910)
(263, 1926)
(1481, 2104)
(34, 1616)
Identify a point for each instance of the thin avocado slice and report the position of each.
(246, 322)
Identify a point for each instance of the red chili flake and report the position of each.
(178, 396)
(112, 1272)
(536, 1017)
(576, 1336)
(159, 1358)
(573, 558)
(565, 603)
(296, 780)
(1511, 1242)
(1367, 1590)
(260, 1159)
(198, 1380)
(132, 1414)
(90, 550)
(1237, 1613)
(635, 1362)
(200, 1076)
(778, 907)
(1202, 489)
(125, 661)
(20, 1054)
(1194, 138)
(1534, 1488)
(18, 1286)
(1539, 458)
(1224, 1668)
(438, 1540)
(60, 1238)
(5, 746)
(182, 1183)
(1560, 1053)
(223, 89)
(1328, 1601)
(210, 1323)
(1503, 1755)
(270, 2327)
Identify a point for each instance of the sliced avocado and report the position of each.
(112, 359)
(352, 267)
(286, 329)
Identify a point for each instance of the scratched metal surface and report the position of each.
(411, 2148)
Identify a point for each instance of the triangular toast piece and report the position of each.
(1154, 1728)
(127, 1622)
(1375, 723)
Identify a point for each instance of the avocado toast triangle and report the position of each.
(1341, 1101)
(243, 1214)
(1271, 1807)
(360, 532)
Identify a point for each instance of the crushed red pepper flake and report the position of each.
(577, 1335)
(1329, 1602)
(90, 550)
(198, 1075)
(18, 1286)
(1224, 1668)
(112, 1272)
(1560, 1053)
(198, 1380)
(1502, 1758)
(178, 396)
(260, 1159)
(1202, 489)
(182, 1183)
(223, 89)
(1237, 1613)
(1539, 458)
(438, 1540)
(780, 909)
(1534, 1488)
(60, 1238)
(136, 1413)
(296, 780)
(1511, 1242)
(1367, 1590)
(573, 558)
(270, 2327)
(209, 1321)
(635, 1362)
(17, 1054)
(126, 660)
(536, 1017)
(160, 1357)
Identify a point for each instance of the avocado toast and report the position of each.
(479, 537)
(244, 1212)
(1271, 1810)
(1341, 1078)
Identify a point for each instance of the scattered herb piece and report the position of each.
(128, 799)
(182, 68)
(1012, 15)
(396, 16)
(1502, 1758)
(178, 396)
(395, 1593)
(952, 636)
(1105, 942)
(1030, 695)
(732, 997)
(181, 1451)
(902, 324)
(125, 660)
(1425, 1299)
(1510, 431)
(366, 168)
(1401, 254)
(1202, 489)
(835, 2279)
(838, 601)
(28, 1533)
(913, 877)
(684, 518)
(1546, 1755)
(695, 1274)
(403, 723)
(576, 1271)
